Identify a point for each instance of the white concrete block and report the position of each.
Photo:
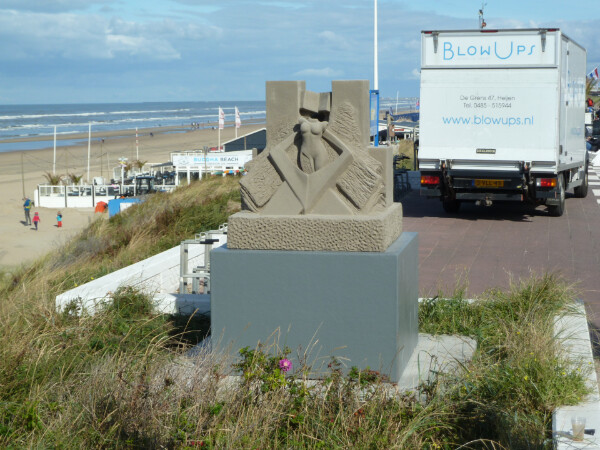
(573, 332)
(158, 274)
(435, 354)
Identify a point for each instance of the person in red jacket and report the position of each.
(36, 220)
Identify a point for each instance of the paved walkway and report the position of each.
(481, 247)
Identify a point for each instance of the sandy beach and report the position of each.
(22, 171)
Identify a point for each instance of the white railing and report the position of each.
(84, 196)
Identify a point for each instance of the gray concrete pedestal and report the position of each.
(360, 307)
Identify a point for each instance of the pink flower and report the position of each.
(285, 365)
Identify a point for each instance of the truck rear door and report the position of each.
(488, 100)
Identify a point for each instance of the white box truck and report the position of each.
(502, 117)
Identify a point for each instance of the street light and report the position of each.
(205, 156)
(374, 93)
(122, 162)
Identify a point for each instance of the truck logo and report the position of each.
(486, 151)
(450, 51)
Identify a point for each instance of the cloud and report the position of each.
(50, 5)
(335, 40)
(326, 72)
(65, 35)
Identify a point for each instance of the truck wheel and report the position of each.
(582, 190)
(558, 210)
(450, 205)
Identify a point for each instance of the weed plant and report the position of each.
(125, 378)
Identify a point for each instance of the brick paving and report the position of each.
(483, 247)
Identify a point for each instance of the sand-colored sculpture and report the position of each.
(317, 185)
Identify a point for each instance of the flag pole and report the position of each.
(221, 125)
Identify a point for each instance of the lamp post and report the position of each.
(122, 162)
(89, 150)
(375, 59)
(374, 93)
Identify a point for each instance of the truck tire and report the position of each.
(558, 210)
(450, 205)
(582, 190)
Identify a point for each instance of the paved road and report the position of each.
(482, 247)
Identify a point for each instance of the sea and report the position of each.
(38, 121)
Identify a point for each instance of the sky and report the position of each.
(98, 51)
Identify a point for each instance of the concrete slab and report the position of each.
(573, 330)
(435, 354)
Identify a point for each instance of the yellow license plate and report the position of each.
(489, 183)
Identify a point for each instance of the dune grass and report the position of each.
(123, 379)
(405, 148)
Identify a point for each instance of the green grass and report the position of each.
(519, 374)
(120, 379)
(405, 147)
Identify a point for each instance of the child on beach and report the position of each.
(59, 219)
(36, 219)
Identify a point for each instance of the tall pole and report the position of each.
(22, 175)
(137, 145)
(205, 156)
(375, 61)
(374, 94)
(89, 151)
(54, 159)
(101, 142)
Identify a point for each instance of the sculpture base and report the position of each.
(312, 232)
(361, 308)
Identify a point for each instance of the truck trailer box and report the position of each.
(502, 117)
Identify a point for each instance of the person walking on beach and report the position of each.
(36, 220)
(59, 219)
(27, 208)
